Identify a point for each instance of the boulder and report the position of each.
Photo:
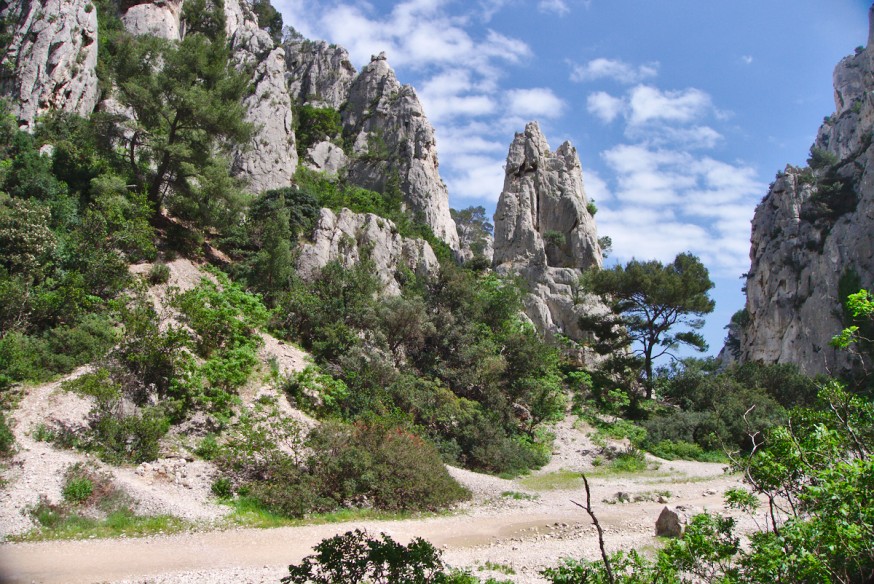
(160, 18)
(326, 157)
(671, 523)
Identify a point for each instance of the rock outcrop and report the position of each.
(545, 233)
(394, 146)
(348, 236)
(160, 18)
(50, 62)
(319, 74)
(813, 236)
(270, 158)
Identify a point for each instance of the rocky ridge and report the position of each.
(270, 158)
(812, 238)
(545, 233)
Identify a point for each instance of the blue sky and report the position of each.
(682, 111)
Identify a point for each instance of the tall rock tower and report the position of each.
(545, 233)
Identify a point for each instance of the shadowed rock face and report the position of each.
(51, 61)
(813, 237)
(544, 232)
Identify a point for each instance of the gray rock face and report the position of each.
(544, 232)
(344, 237)
(318, 73)
(161, 18)
(473, 244)
(51, 60)
(270, 160)
(813, 231)
(394, 143)
(326, 157)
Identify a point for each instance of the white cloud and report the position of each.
(596, 187)
(748, 59)
(671, 200)
(538, 102)
(650, 104)
(559, 7)
(604, 106)
(612, 69)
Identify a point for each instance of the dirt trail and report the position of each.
(525, 532)
(264, 555)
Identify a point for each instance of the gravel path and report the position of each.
(523, 535)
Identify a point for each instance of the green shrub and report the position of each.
(357, 557)
(77, 490)
(315, 124)
(208, 448)
(7, 438)
(222, 488)
(159, 274)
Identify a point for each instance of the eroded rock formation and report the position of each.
(50, 63)
(394, 146)
(544, 232)
(270, 158)
(319, 74)
(813, 236)
(347, 236)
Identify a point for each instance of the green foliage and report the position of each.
(186, 98)
(647, 301)
(78, 485)
(159, 273)
(269, 19)
(821, 159)
(555, 238)
(337, 466)
(316, 391)
(316, 124)
(475, 228)
(7, 438)
(357, 557)
(591, 207)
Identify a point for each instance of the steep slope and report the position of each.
(813, 236)
(544, 232)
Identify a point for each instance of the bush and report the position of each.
(222, 488)
(7, 438)
(77, 490)
(159, 274)
(357, 557)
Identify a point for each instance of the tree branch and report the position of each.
(588, 509)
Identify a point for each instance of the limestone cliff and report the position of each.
(545, 233)
(50, 62)
(813, 236)
(319, 74)
(269, 160)
(347, 236)
(393, 142)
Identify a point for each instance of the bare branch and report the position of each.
(588, 509)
